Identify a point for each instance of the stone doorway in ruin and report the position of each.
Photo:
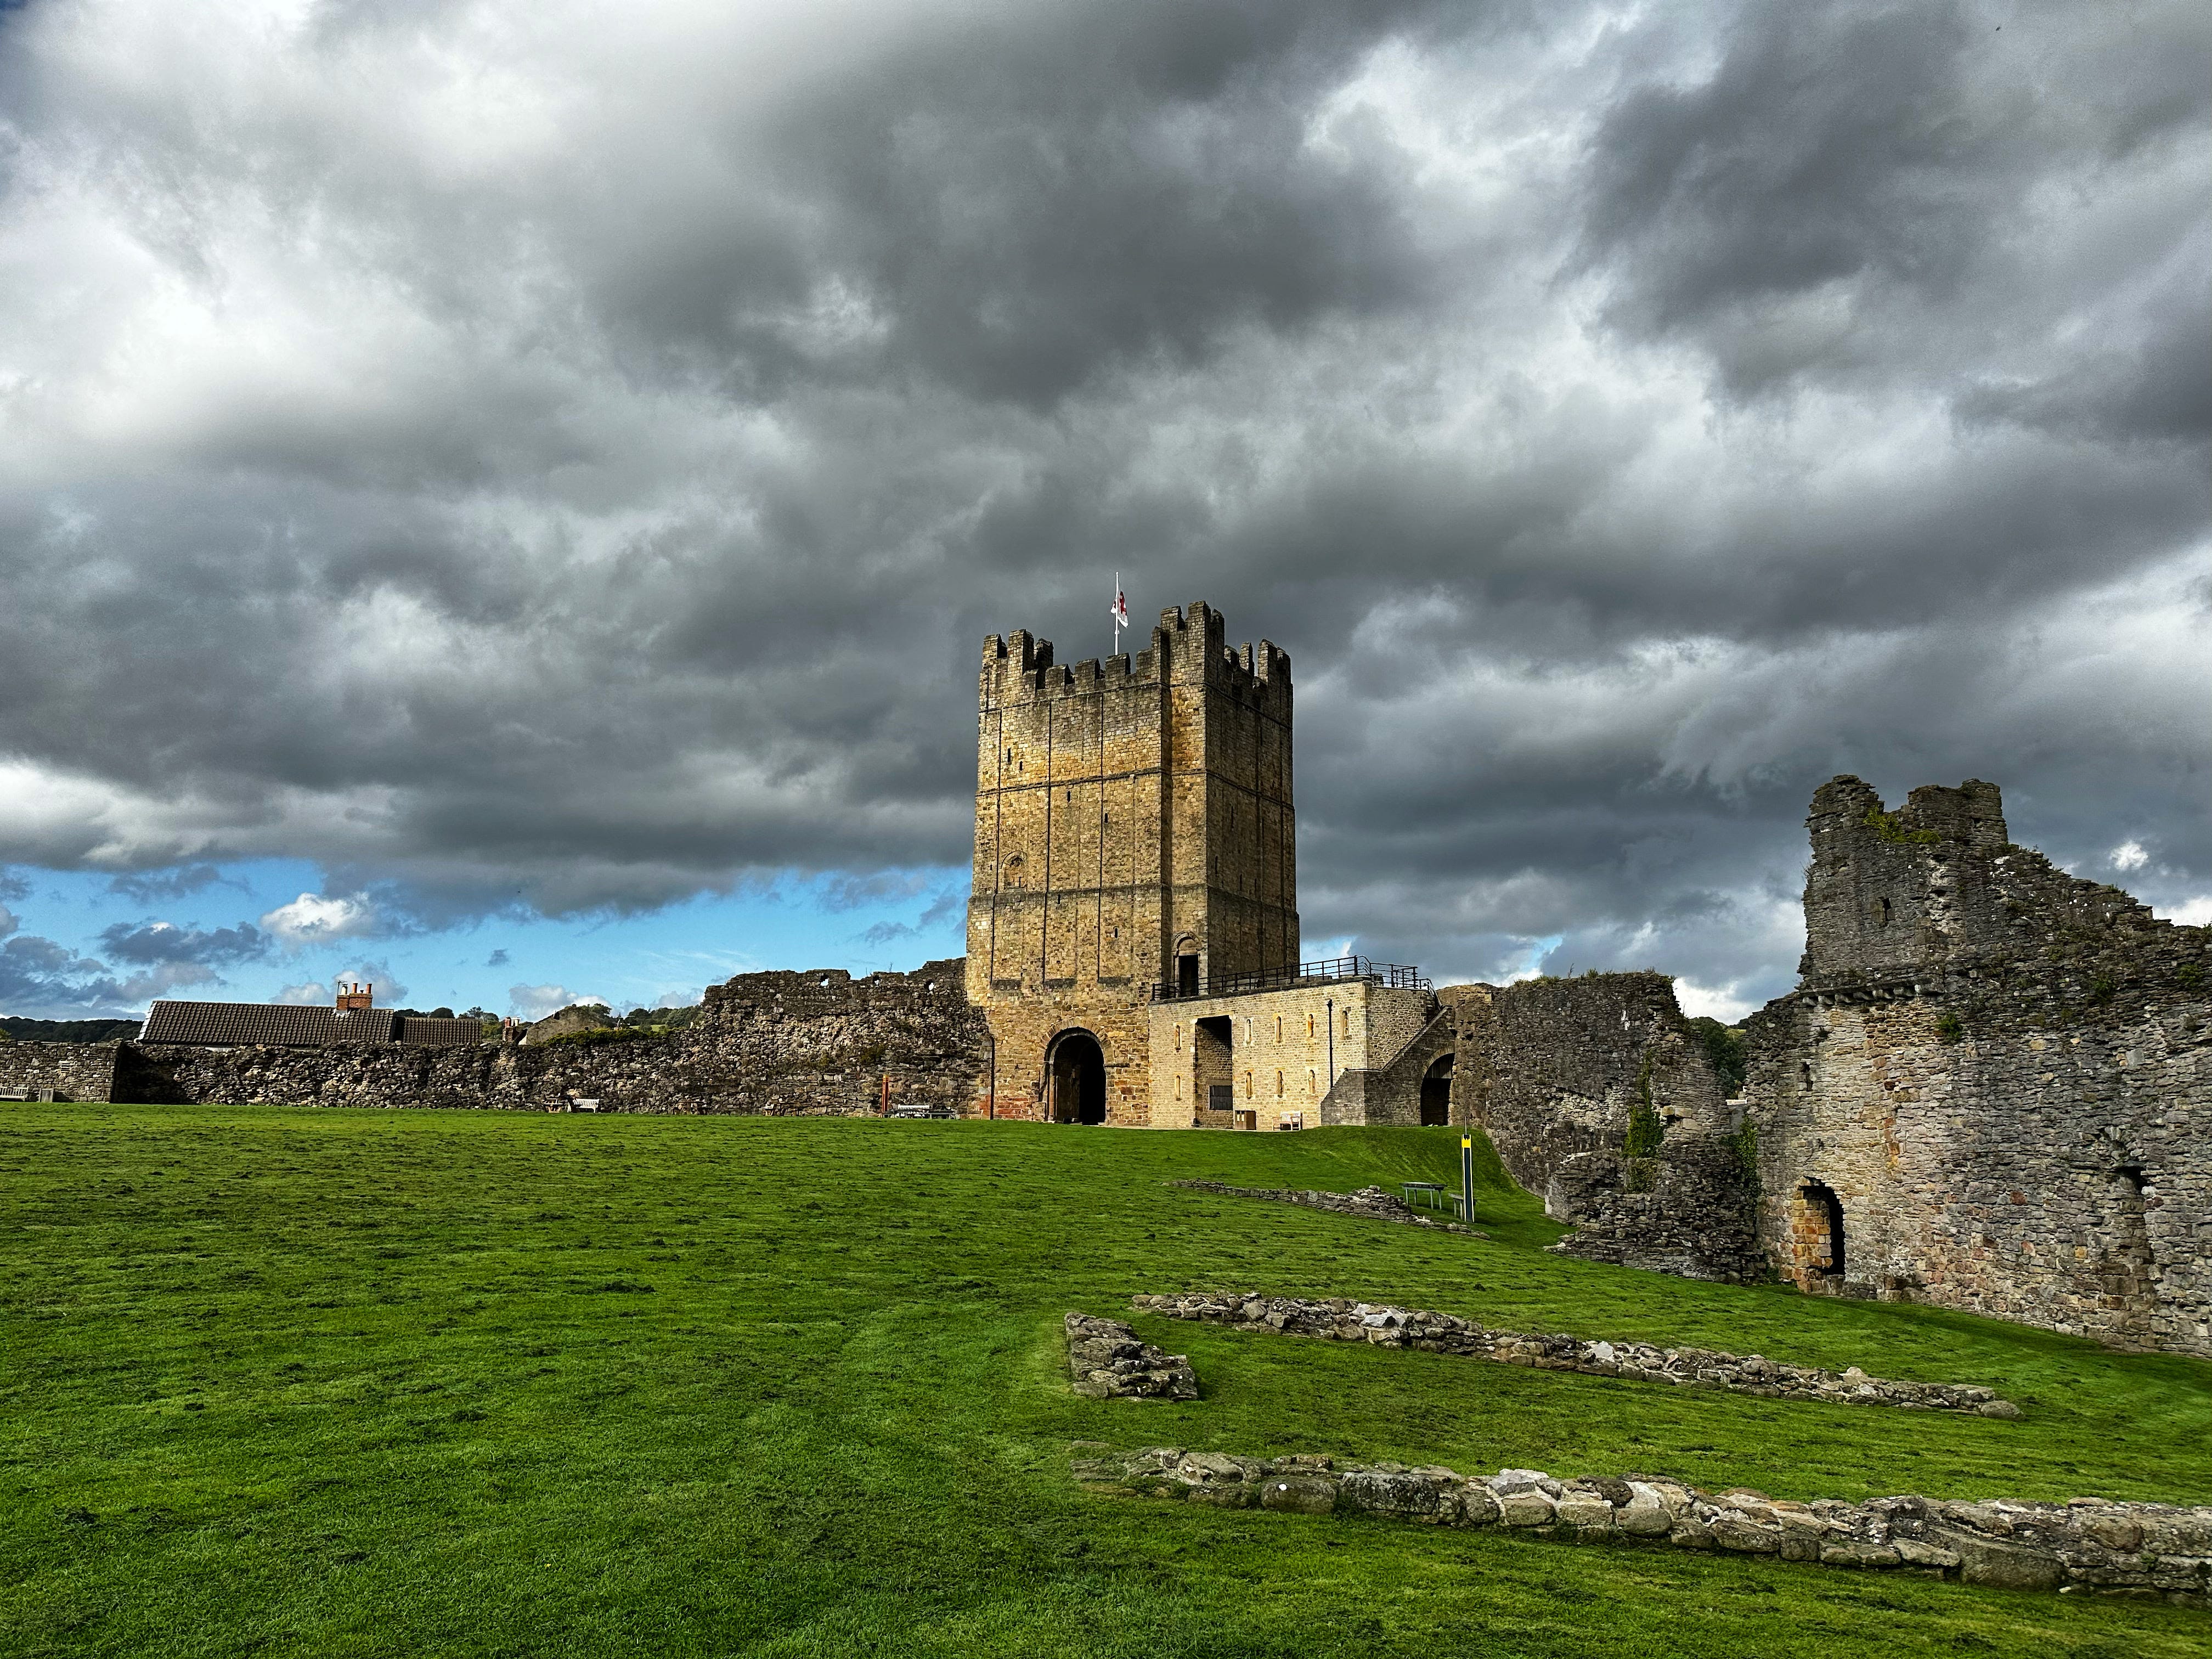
(1214, 1069)
(1436, 1092)
(1077, 1066)
(1817, 1233)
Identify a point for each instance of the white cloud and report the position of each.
(537, 1001)
(312, 919)
(384, 985)
(2192, 913)
(1717, 1004)
(312, 994)
(2130, 855)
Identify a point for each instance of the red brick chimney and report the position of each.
(351, 997)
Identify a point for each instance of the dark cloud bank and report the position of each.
(570, 460)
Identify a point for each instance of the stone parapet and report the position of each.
(2087, 1545)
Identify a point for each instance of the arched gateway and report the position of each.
(1077, 1075)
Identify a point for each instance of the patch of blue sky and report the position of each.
(861, 922)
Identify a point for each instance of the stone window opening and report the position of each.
(1347, 1022)
(1309, 1024)
(1279, 1028)
(1013, 876)
(1883, 921)
(1312, 1080)
(1279, 1085)
(1805, 1073)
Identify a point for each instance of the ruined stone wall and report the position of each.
(778, 1044)
(2005, 1111)
(1598, 1096)
(58, 1071)
(1553, 1067)
(1689, 1209)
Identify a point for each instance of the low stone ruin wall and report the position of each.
(58, 1071)
(820, 1043)
(1689, 1209)
(2085, 1545)
(1369, 1203)
(1693, 1368)
(1106, 1361)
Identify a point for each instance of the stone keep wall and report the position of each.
(1127, 812)
(59, 1071)
(778, 1044)
(1992, 1088)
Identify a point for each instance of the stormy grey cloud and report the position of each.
(164, 942)
(563, 458)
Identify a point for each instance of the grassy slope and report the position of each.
(292, 1382)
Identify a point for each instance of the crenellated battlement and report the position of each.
(1189, 646)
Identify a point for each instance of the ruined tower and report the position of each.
(1886, 893)
(1134, 828)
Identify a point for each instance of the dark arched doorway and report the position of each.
(1821, 1231)
(1436, 1092)
(1078, 1070)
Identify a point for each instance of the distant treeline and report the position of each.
(67, 1031)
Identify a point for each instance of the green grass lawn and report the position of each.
(340, 1383)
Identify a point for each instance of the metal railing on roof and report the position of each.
(1395, 975)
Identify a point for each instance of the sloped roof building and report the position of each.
(239, 1025)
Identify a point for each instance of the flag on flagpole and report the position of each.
(1119, 611)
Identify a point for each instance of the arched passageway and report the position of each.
(1078, 1070)
(1819, 1229)
(1435, 1092)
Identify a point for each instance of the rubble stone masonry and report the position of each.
(58, 1071)
(1991, 1090)
(775, 1043)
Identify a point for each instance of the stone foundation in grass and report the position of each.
(1694, 1368)
(1369, 1203)
(2084, 1545)
(1108, 1361)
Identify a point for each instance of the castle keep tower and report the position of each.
(1134, 828)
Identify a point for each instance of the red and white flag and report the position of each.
(1121, 606)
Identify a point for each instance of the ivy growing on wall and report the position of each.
(1645, 1128)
